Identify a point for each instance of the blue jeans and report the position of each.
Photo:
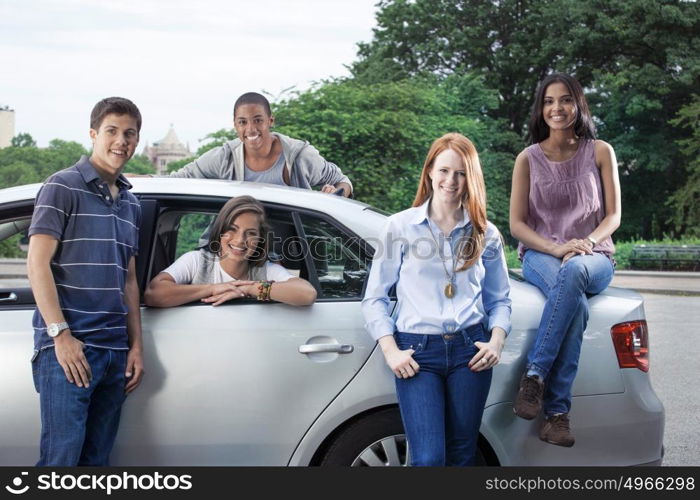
(78, 424)
(555, 353)
(442, 405)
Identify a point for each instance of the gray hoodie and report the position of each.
(305, 166)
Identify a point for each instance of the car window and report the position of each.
(339, 258)
(13, 253)
(192, 232)
(180, 230)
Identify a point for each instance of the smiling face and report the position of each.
(558, 107)
(448, 177)
(241, 239)
(113, 144)
(252, 124)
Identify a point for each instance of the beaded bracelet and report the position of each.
(264, 290)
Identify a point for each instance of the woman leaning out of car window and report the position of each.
(231, 266)
(453, 311)
(565, 204)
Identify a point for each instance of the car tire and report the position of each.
(377, 440)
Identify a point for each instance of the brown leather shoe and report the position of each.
(529, 399)
(556, 430)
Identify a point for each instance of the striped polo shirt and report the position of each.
(97, 236)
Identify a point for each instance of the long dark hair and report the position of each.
(228, 213)
(583, 126)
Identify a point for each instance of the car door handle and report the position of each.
(339, 348)
(10, 298)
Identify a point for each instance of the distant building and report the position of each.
(166, 151)
(7, 126)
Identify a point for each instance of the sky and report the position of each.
(182, 62)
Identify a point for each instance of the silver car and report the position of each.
(251, 383)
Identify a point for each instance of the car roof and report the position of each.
(343, 209)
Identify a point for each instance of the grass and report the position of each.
(512, 260)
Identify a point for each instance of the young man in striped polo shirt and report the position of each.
(87, 325)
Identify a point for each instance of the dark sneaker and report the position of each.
(556, 430)
(529, 400)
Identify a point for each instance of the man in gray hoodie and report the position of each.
(260, 155)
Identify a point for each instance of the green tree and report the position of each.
(215, 139)
(178, 164)
(139, 164)
(379, 134)
(686, 200)
(638, 60)
(512, 43)
(23, 140)
(29, 164)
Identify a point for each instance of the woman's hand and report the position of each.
(568, 256)
(576, 246)
(489, 352)
(223, 292)
(401, 362)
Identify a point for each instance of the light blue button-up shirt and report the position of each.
(408, 257)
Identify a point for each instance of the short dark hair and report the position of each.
(116, 105)
(253, 98)
(228, 213)
(583, 126)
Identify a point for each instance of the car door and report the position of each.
(19, 402)
(242, 382)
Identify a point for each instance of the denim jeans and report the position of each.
(441, 406)
(555, 353)
(78, 424)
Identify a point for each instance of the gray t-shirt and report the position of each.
(273, 175)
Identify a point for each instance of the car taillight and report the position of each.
(631, 342)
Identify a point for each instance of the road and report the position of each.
(675, 371)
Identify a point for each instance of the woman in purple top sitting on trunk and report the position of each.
(565, 204)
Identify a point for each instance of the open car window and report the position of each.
(309, 246)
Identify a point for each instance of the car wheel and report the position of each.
(377, 440)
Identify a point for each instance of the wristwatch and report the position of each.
(54, 329)
(592, 240)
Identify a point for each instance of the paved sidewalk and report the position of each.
(664, 282)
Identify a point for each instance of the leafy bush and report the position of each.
(623, 250)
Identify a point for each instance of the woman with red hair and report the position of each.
(453, 311)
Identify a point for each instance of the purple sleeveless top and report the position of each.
(566, 197)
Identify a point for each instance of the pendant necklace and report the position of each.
(450, 288)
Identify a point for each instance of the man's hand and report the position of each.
(331, 189)
(70, 355)
(328, 188)
(134, 369)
